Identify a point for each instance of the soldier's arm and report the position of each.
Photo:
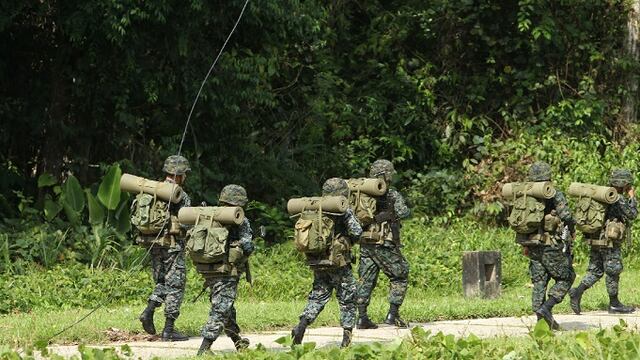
(563, 211)
(628, 207)
(399, 204)
(246, 237)
(354, 230)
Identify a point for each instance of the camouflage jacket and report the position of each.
(347, 225)
(625, 210)
(393, 201)
(242, 235)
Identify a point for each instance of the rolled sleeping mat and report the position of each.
(165, 191)
(603, 194)
(333, 204)
(374, 187)
(226, 215)
(539, 190)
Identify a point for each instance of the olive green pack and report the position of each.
(207, 242)
(149, 214)
(527, 214)
(590, 215)
(313, 233)
(363, 206)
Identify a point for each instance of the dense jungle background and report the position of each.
(461, 95)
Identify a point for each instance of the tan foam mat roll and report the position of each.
(333, 204)
(603, 194)
(369, 186)
(163, 190)
(226, 215)
(540, 190)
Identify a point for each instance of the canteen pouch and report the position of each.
(615, 231)
(206, 243)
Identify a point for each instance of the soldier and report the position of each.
(605, 259)
(380, 249)
(223, 278)
(548, 262)
(167, 259)
(336, 276)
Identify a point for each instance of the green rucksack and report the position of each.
(590, 215)
(207, 242)
(527, 214)
(363, 206)
(149, 214)
(314, 233)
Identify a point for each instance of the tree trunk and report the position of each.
(629, 111)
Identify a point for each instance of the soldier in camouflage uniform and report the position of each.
(548, 262)
(383, 252)
(167, 261)
(223, 278)
(608, 260)
(347, 230)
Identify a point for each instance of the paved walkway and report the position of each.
(484, 328)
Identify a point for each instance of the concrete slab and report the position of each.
(331, 336)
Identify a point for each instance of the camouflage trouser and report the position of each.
(170, 276)
(604, 261)
(546, 263)
(389, 259)
(324, 282)
(223, 313)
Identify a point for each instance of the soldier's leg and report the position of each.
(560, 270)
(318, 298)
(395, 266)
(157, 296)
(223, 296)
(175, 280)
(367, 279)
(232, 329)
(539, 280)
(345, 285)
(613, 268)
(158, 272)
(595, 270)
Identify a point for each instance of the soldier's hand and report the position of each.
(632, 193)
(525, 251)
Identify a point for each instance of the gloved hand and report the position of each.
(247, 248)
(383, 216)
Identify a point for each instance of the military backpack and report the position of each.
(527, 214)
(207, 241)
(590, 215)
(149, 214)
(313, 232)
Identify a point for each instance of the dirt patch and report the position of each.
(118, 335)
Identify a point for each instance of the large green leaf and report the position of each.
(51, 208)
(72, 215)
(73, 194)
(46, 179)
(109, 190)
(96, 210)
(121, 219)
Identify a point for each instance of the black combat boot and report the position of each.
(298, 332)
(347, 333)
(555, 324)
(616, 307)
(205, 347)
(146, 318)
(545, 312)
(170, 334)
(239, 342)
(575, 297)
(393, 317)
(363, 319)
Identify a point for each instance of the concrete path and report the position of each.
(484, 328)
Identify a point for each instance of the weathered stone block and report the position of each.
(481, 273)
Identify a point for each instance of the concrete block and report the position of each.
(481, 273)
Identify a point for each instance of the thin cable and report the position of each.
(184, 134)
(195, 101)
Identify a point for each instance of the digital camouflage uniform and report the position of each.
(386, 256)
(341, 279)
(608, 260)
(167, 261)
(224, 285)
(346, 230)
(169, 269)
(548, 262)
